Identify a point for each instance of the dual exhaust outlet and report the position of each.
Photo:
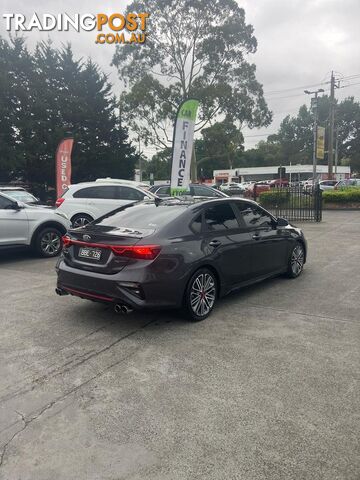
(120, 308)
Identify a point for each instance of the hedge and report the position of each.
(348, 195)
(274, 198)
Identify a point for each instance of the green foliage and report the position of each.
(159, 165)
(195, 48)
(275, 197)
(46, 95)
(295, 135)
(346, 195)
(220, 147)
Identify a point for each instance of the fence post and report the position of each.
(255, 192)
(318, 203)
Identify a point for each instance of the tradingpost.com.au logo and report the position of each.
(124, 28)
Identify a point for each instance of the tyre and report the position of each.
(296, 261)
(80, 220)
(48, 242)
(200, 295)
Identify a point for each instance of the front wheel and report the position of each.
(200, 295)
(296, 261)
(48, 242)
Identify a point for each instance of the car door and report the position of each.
(270, 245)
(14, 224)
(227, 243)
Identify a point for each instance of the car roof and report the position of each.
(189, 201)
(102, 184)
(4, 189)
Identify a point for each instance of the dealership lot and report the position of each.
(266, 388)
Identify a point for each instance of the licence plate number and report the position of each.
(88, 252)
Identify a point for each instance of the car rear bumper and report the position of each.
(120, 288)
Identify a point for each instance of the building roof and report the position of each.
(274, 169)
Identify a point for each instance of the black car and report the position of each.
(196, 190)
(175, 253)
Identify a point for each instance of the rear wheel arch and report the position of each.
(81, 215)
(212, 270)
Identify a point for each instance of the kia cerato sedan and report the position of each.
(177, 253)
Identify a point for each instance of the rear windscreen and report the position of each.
(142, 216)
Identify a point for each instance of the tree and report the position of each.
(220, 148)
(159, 166)
(195, 48)
(44, 96)
(295, 135)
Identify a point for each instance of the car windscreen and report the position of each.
(21, 196)
(142, 216)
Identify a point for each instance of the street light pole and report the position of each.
(314, 103)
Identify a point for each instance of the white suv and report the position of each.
(24, 225)
(84, 202)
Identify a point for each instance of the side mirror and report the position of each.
(282, 222)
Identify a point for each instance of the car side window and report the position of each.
(5, 202)
(163, 191)
(253, 216)
(220, 217)
(196, 224)
(128, 193)
(104, 192)
(203, 192)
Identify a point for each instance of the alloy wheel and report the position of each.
(80, 222)
(50, 243)
(202, 294)
(297, 260)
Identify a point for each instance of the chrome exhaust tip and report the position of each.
(122, 309)
(60, 291)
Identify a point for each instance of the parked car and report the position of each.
(20, 194)
(231, 188)
(177, 253)
(347, 183)
(278, 182)
(245, 185)
(37, 227)
(84, 202)
(255, 189)
(196, 190)
(327, 184)
(132, 183)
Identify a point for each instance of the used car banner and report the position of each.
(182, 146)
(63, 165)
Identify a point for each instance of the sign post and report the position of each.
(183, 140)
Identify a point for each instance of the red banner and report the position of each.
(63, 165)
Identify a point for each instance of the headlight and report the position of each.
(61, 214)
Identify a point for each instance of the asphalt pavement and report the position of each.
(266, 388)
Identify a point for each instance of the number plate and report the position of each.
(88, 252)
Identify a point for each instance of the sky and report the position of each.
(299, 43)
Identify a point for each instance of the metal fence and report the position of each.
(294, 203)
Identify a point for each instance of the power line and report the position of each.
(271, 92)
(350, 85)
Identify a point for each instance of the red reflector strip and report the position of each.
(79, 293)
(145, 252)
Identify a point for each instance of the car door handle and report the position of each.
(215, 243)
(256, 236)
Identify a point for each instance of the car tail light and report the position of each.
(144, 252)
(59, 202)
